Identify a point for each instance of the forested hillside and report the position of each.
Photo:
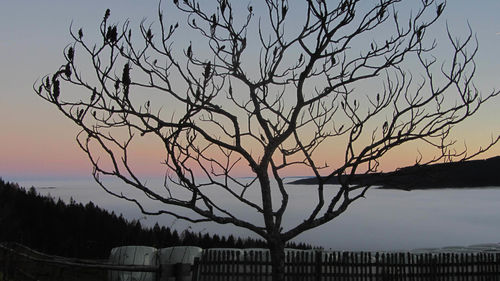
(465, 174)
(87, 231)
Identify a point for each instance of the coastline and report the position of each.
(466, 174)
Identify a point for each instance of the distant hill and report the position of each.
(465, 174)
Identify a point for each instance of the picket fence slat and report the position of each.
(351, 266)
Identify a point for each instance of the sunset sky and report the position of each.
(36, 141)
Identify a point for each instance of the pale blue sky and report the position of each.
(36, 140)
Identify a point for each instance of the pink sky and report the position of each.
(37, 141)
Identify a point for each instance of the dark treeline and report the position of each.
(87, 231)
(464, 174)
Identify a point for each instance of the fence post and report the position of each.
(318, 265)
(195, 269)
(239, 264)
(160, 270)
(10, 272)
(3, 261)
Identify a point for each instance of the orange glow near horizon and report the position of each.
(51, 155)
(58, 154)
(78, 165)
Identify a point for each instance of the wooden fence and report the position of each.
(21, 263)
(344, 266)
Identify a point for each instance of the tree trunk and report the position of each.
(277, 250)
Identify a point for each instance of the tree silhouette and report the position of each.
(271, 88)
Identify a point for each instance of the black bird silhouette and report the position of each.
(344, 6)
(214, 21)
(189, 52)
(197, 93)
(126, 75)
(223, 6)
(381, 13)
(107, 13)
(94, 93)
(71, 53)
(55, 89)
(112, 34)
(208, 68)
(439, 9)
(67, 70)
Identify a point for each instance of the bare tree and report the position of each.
(268, 88)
